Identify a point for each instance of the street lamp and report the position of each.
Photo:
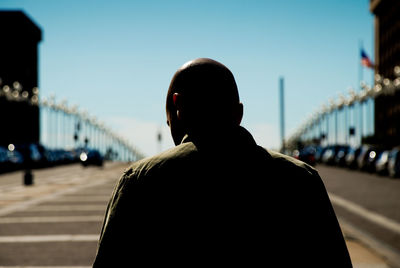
(396, 70)
(17, 86)
(6, 91)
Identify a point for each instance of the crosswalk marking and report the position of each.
(51, 219)
(69, 208)
(49, 238)
(89, 198)
(50, 197)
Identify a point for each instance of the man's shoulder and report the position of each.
(289, 164)
(162, 161)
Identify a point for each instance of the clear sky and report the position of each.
(116, 58)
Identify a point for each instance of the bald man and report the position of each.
(217, 198)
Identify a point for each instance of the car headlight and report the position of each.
(372, 154)
(83, 157)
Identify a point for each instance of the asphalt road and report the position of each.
(368, 202)
(57, 221)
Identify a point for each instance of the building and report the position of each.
(387, 56)
(19, 37)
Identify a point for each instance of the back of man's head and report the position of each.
(208, 94)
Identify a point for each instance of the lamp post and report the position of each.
(332, 108)
(52, 126)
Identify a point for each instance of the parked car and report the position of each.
(381, 165)
(351, 157)
(51, 158)
(31, 154)
(307, 155)
(91, 157)
(394, 163)
(15, 158)
(368, 156)
(340, 157)
(329, 155)
(3, 159)
(319, 153)
(60, 157)
(361, 159)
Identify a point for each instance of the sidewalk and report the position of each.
(365, 253)
(363, 257)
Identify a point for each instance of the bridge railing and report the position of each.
(347, 118)
(68, 126)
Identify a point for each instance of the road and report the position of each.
(56, 222)
(369, 204)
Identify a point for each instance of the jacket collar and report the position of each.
(237, 138)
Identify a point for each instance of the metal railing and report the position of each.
(65, 126)
(337, 121)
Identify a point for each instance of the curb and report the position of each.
(388, 255)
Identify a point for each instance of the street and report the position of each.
(56, 222)
(368, 203)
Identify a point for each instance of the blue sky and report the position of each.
(116, 58)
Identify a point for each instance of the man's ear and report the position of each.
(177, 100)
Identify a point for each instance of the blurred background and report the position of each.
(85, 82)
(115, 60)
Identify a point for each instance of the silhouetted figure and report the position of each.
(218, 199)
(27, 164)
(28, 177)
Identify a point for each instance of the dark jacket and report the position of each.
(221, 202)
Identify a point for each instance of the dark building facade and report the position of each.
(387, 56)
(20, 36)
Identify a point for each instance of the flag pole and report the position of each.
(360, 67)
(282, 113)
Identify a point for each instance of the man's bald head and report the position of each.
(202, 97)
(207, 95)
(204, 80)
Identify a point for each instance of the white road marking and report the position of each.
(83, 198)
(365, 213)
(99, 191)
(51, 219)
(370, 265)
(390, 254)
(69, 208)
(49, 238)
(54, 196)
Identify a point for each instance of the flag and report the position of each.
(365, 61)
